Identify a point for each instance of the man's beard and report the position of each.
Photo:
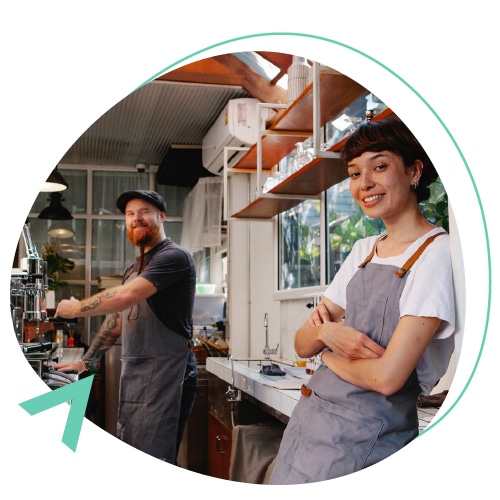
(144, 236)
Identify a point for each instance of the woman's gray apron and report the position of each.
(341, 428)
(154, 362)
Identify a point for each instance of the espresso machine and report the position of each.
(28, 287)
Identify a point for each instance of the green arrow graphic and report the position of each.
(78, 392)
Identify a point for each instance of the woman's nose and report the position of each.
(366, 181)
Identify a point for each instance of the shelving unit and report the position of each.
(308, 182)
(325, 98)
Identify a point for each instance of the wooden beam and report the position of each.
(229, 70)
(256, 85)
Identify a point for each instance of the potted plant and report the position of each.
(56, 264)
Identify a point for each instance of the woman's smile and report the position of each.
(380, 183)
(372, 198)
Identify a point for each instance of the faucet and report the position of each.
(267, 350)
(233, 394)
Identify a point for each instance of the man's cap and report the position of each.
(150, 196)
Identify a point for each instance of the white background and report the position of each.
(64, 64)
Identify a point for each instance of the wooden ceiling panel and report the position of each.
(207, 71)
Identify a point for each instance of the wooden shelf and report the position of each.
(312, 179)
(337, 91)
(308, 181)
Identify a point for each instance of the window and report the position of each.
(299, 246)
(346, 223)
(99, 245)
(300, 236)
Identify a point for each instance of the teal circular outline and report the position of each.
(429, 107)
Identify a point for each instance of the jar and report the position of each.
(302, 157)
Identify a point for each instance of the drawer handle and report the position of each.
(219, 440)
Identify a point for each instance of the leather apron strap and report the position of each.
(407, 265)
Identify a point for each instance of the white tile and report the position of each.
(251, 382)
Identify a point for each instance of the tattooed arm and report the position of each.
(112, 300)
(108, 334)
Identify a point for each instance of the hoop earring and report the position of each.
(414, 185)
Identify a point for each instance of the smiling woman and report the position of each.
(384, 328)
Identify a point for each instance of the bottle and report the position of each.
(311, 366)
(298, 78)
(60, 344)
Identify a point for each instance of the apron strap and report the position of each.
(407, 265)
(372, 253)
(401, 272)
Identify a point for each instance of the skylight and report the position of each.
(262, 66)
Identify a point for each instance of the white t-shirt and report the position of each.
(428, 292)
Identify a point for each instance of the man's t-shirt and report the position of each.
(171, 269)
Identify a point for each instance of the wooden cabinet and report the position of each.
(222, 416)
(219, 447)
(194, 446)
(297, 123)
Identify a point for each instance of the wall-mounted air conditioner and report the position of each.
(236, 126)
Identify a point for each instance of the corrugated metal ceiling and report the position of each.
(142, 127)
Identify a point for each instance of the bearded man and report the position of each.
(152, 312)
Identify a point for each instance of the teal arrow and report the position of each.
(78, 393)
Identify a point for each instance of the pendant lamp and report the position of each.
(55, 210)
(61, 229)
(55, 182)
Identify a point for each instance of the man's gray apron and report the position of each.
(340, 428)
(153, 366)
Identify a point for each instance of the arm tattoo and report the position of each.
(106, 337)
(95, 301)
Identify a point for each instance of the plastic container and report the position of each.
(207, 288)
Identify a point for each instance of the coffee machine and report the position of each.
(28, 287)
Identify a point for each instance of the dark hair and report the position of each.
(391, 134)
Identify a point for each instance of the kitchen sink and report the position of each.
(258, 364)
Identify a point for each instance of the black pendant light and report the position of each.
(55, 210)
(55, 182)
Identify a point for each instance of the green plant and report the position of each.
(357, 225)
(55, 264)
(435, 209)
(353, 228)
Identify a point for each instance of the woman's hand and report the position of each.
(319, 315)
(387, 374)
(348, 342)
(325, 327)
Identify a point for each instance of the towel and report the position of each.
(253, 449)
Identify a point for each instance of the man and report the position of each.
(152, 311)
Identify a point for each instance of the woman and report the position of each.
(384, 327)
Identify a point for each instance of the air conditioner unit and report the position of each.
(236, 126)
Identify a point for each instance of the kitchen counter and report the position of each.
(273, 391)
(256, 385)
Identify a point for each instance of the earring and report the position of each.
(414, 185)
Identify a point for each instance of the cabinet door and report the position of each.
(193, 450)
(219, 447)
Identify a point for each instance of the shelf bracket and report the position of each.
(225, 213)
(262, 132)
